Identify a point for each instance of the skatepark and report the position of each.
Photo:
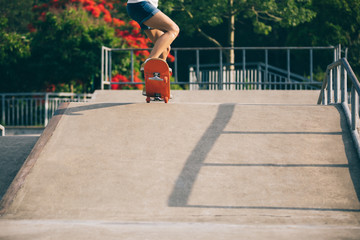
(206, 165)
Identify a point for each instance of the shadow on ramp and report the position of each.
(185, 182)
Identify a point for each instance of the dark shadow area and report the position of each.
(276, 208)
(275, 165)
(351, 154)
(188, 175)
(284, 133)
(86, 107)
(186, 180)
(13, 152)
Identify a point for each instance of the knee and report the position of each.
(175, 30)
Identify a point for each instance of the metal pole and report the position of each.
(176, 67)
(132, 65)
(311, 65)
(266, 64)
(221, 69)
(102, 68)
(288, 66)
(106, 67)
(244, 66)
(354, 108)
(46, 109)
(343, 85)
(198, 65)
(110, 67)
(2, 129)
(3, 108)
(336, 85)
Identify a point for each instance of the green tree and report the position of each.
(66, 46)
(14, 52)
(18, 13)
(196, 15)
(337, 21)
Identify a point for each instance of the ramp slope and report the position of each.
(252, 164)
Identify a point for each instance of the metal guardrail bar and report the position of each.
(2, 128)
(106, 71)
(33, 109)
(225, 48)
(341, 71)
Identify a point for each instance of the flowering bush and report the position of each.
(111, 12)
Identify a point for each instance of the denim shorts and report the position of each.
(141, 11)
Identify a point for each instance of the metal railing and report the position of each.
(107, 64)
(33, 109)
(335, 91)
(256, 76)
(2, 129)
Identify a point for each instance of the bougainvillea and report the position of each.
(121, 78)
(129, 31)
(113, 13)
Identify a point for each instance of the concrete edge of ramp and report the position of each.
(30, 161)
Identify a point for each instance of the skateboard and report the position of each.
(157, 80)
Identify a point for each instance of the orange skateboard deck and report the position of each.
(157, 79)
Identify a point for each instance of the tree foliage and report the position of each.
(66, 38)
(337, 21)
(14, 52)
(195, 15)
(57, 42)
(66, 46)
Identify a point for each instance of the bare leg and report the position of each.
(162, 42)
(154, 35)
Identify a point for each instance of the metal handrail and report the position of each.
(33, 108)
(106, 60)
(335, 83)
(2, 128)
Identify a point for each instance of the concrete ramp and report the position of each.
(207, 165)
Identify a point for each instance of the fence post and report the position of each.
(2, 129)
(288, 65)
(221, 69)
(46, 109)
(354, 108)
(244, 69)
(336, 85)
(132, 66)
(106, 68)
(198, 65)
(311, 65)
(329, 91)
(266, 65)
(343, 85)
(110, 67)
(175, 66)
(3, 108)
(102, 69)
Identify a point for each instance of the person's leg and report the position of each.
(154, 35)
(162, 41)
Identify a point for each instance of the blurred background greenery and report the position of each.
(54, 45)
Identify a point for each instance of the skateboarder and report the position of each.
(159, 28)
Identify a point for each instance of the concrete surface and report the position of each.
(207, 165)
(24, 131)
(13, 152)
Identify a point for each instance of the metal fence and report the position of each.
(256, 76)
(2, 129)
(33, 109)
(336, 89)
(219, 75)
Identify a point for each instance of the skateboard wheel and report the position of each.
(166, 99)
(148, 99)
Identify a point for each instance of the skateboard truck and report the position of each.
(156, 77)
